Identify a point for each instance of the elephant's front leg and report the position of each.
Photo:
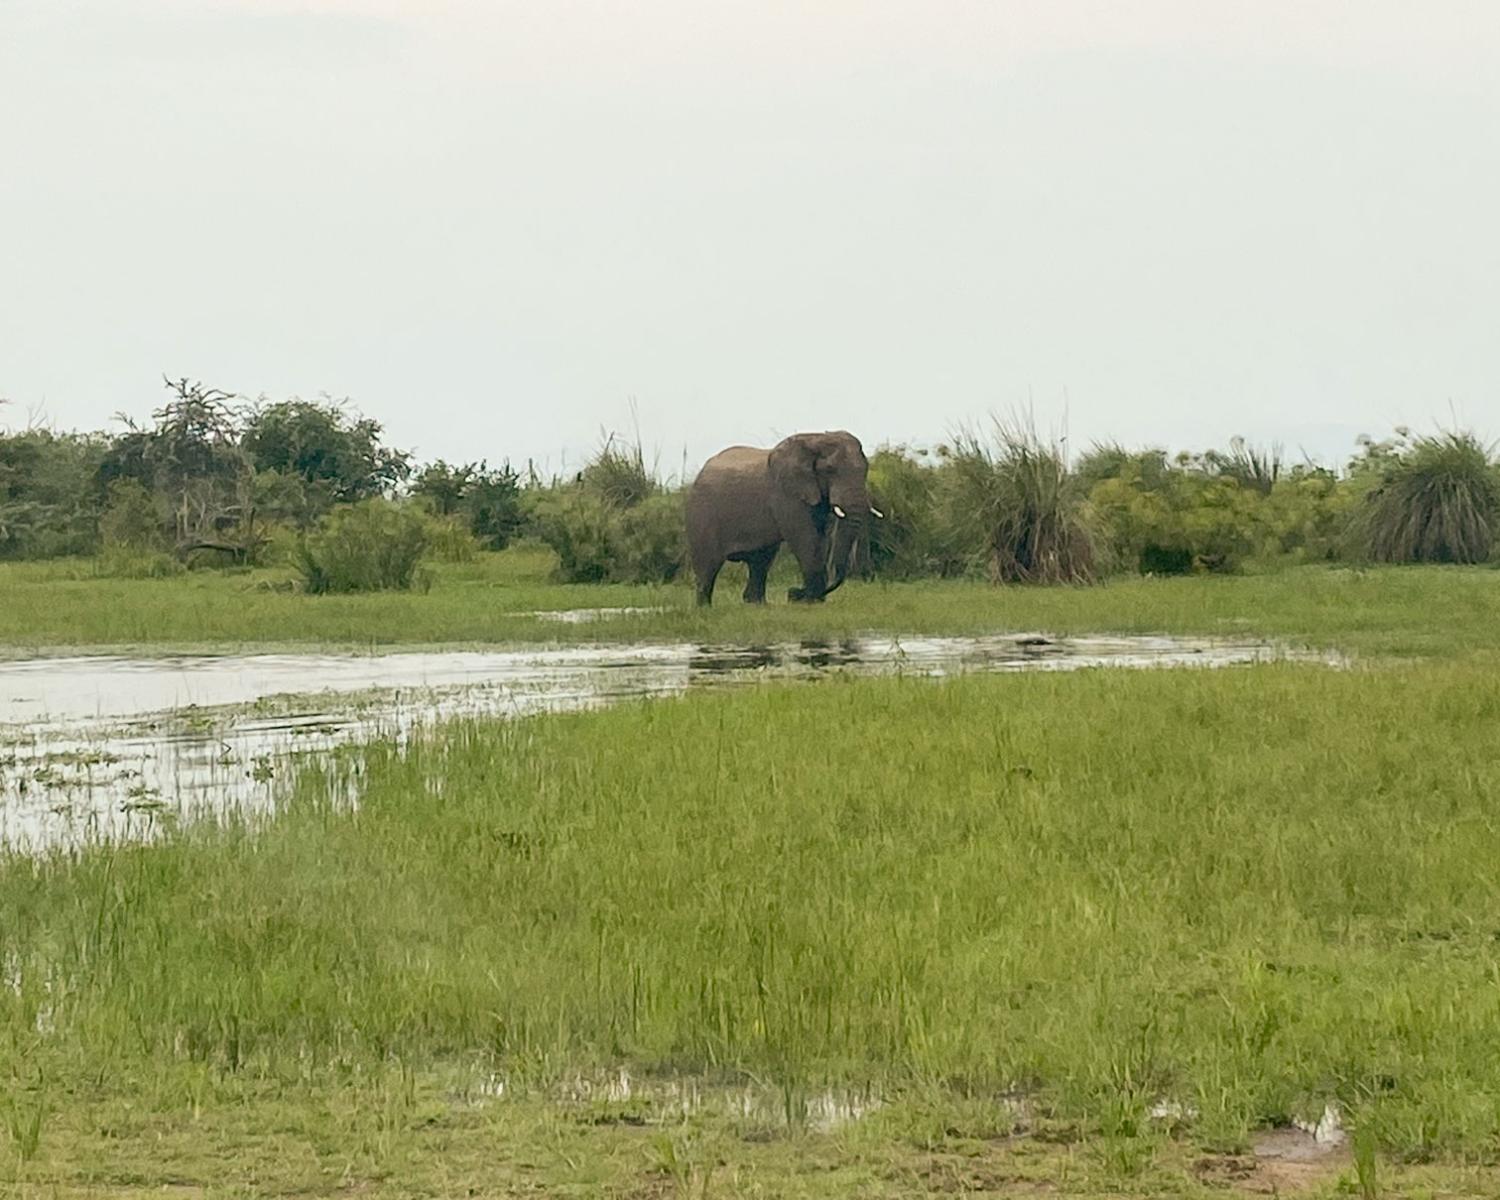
(760, 567)
(810, 545)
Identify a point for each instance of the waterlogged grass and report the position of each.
(1003, 905)
(1428, 611)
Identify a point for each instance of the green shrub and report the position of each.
(1195, 513)
(49, 506)
(1307, 513)
(917, 536)
(1429, 499)
(599, 542)
(614, 523)
(1254, 467)
(488, 499)
(652, 541)
(285, 499)
(449, 539)
(332, 451)
(1014, 494)
(132, 519)
(133, 542)
(374, 545)
(1111, 460)
(581, 528)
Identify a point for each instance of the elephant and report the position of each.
(808, 491)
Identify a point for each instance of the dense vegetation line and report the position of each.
(214, 481)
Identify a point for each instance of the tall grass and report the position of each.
(1437, 501)
(1016, 490)
(618, 473)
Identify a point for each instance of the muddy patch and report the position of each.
(104, 746)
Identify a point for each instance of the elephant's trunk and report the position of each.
(848, 528)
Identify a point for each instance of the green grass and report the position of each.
(1427, 611)
(1247, 891)
(1021, 910)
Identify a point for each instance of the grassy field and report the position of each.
(1020, 912)
(1388, 611)
(1085, 934)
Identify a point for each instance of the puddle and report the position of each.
(587, 616)
(104, 746)
(1304, 1141)
(618, 1097)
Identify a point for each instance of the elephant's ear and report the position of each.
(793, 466)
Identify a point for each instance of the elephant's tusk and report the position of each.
(877, 512)
(839, 512)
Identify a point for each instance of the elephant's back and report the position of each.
(736, 460)
(734, 468)
(731, 489)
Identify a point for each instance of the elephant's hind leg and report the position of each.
(707, 574)
(760, 567)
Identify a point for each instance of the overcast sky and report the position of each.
(494, 224)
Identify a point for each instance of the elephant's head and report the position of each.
(826, 472)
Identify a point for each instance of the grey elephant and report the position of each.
(808, 491)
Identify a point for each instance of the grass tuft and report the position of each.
(1017, 490)
(1436, 502)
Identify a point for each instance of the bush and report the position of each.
(48, 504)
(488, 499)
(132, 536)
(132, 519)
(334, 453)
(1429, 499)
(374, 545)
(918, 536)
(1188, 521)
(1212, 511)
(1308, 512)
(599, 542)
(652, 541)
(449, 539)
(1252, 467)
(581, 528)
(614, 523)
(1017, 495)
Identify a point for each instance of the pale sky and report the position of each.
(494, 224)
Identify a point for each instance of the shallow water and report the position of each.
(104, 746)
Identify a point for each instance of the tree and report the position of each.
(337, 455)
(191, 458)
(487, 498)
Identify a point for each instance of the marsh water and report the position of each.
(104, 746)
